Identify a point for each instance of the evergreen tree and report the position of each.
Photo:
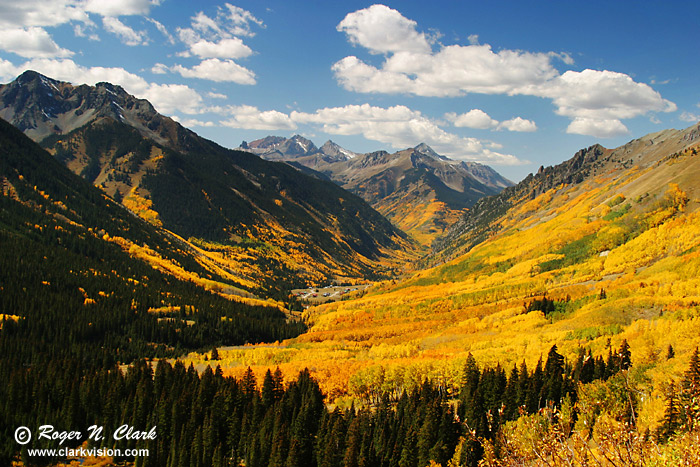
(409, 455)
(690, 393)
(600, 368)
(473, 411)
(523, 386)
(510, 396)
(624, 356)
(268, 389)
(553, 377)
(248, 383)
(587, 368)
(428, 434)
(672, 414)
(354, 444)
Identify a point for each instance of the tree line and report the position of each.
(210, 420)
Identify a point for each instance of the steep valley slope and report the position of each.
(83, 276)
(602, 248)
(269, 225)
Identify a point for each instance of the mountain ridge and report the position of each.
(267, 216)
(644, 153)
(418, 189)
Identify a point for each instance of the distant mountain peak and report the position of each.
(332, 149)
(305, 145)
(417, 188)
(297, 148)
(426, 150)
(423, 147)
(268, 142)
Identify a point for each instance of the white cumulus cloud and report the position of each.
(120, 7)
(217, 41)
(251, 118)
(602, 95)
(475, 118)
(126, 34)
(355, 75)
(595, 100)
(225, 48)
(603, 128)
(170, 98)
(478, 119)
(32, 16)
(214, 69)
(401, 127)
(43, 13)
(382, 29)
(31, 42)
(518, 124)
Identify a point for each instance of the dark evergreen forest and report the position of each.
(211, 420)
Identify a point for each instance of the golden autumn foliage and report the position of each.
(142, 207)
(618, 255)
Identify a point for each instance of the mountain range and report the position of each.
(419, 190)
(265, 221)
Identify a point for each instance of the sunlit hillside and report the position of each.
(581, 265)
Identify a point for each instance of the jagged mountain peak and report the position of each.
(329, 145)
(428, 151)
(301, 144)
(400, 185)
(42, 106)
(118, 94)
(299, 138)
(297, 146)
(333, 149)
(30, 76)
(268, 142)
(114, 88)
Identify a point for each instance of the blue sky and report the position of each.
(514, 85)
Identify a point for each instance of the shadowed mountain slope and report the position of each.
(267, 221)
